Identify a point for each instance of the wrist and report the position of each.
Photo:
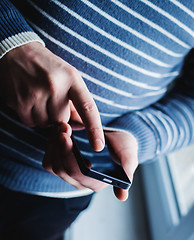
(22, 50)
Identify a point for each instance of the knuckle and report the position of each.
(50, 85)
(56, 77)
(72, 72)
(88, 106)
(73, 76)
(50, 79)
(94, 130)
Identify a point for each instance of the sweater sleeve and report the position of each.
(166, 125)
(14, 30)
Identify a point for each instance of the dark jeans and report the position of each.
(30, 217)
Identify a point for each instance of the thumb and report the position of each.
(121, 194)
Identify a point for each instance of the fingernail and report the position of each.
(99, 145)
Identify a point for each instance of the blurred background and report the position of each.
(160, 205)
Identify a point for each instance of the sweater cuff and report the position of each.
(146, 135)
(18, 40)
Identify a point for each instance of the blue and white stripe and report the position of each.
(127, 59)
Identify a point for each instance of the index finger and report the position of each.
(87, 109)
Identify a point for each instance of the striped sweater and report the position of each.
(130, 55)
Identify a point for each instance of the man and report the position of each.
(113, 52)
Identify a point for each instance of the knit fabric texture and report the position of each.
(130, 55)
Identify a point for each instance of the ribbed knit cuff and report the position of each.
(18, 40)
(14, 30)
(145, 135)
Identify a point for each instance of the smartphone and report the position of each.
(102, 168)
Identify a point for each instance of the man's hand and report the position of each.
(38, 85)
(123, 149)
(60, 160)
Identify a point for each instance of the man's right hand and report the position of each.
(39, 85)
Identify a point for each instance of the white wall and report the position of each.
(109, 219)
